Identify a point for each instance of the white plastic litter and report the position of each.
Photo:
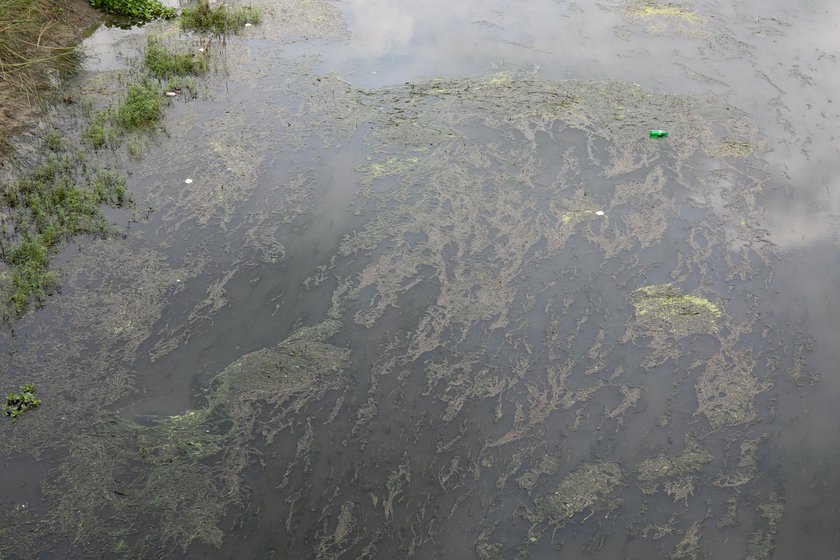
(171, 94)
(599, 213)
(247, 25)
(188, 181)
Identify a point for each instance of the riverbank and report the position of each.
(37, 45)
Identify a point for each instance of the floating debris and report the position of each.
(188, 181)
(171, 94)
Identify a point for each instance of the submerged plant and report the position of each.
(218, 20)
(18, 403)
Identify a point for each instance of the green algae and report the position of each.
(727, 388)
(651, 9)
(689, 546)
(683, 314)
(676, 475)
(665, 18)
(391, 166)
(761, 543)
(592, 487)
(184, 472)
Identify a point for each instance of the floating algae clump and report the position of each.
(592, 487)
(652, 9)
(391, 166)
(667, 18)
(173, 482)
(674, 474)
(678, 313)
(727, 388)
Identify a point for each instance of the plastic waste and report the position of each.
(659, 134)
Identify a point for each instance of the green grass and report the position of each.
(141, 108)
(59, 199)
(218, 20)
(137, 11)
(52, 141)
(163, 62)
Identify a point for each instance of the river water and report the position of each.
(433, 292)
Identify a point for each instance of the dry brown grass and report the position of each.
(37, 44)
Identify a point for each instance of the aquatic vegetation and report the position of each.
(219, 19)
(137, 11)
(21, 403)
(667, 18)
(673, 474)
(650, 9)
(141, 107)
(727, 388)
(163, 61)
(60, 199)
(185, 471)
(761, 542)
(390, 166)
(592, 487)
(485, 307)
(666, 307)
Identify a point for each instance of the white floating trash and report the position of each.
(171, 94)
(188, 181)
(599, 213)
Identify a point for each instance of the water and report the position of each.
(385, 319)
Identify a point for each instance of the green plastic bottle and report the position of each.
(659, 134)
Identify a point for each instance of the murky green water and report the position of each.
(433, 293)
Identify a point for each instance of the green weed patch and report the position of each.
(60, 199)
(218, 20)
(164, 62)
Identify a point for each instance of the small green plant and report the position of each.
(52, 141)
(163, 62)
(137, 11)
(218, 20)
(98, 133)
(18, 403)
